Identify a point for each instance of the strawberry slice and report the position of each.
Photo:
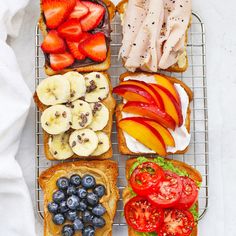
(95, 47)
(74, 46)
(79, 11)
(53, 43)
(71, 30)
(95, 16)
(56, 11)
(60, 61)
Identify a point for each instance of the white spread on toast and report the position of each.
(180, 134)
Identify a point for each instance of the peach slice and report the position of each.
(170, 104)
(150, 111)
(165, 133)
(156, 96)
(144, 133)
(133, 93)
(164, 82)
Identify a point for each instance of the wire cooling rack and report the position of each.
(195, 78)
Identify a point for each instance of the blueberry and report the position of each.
(98, 222)
(82, 193)
(68, 230)
(63, 183)
(82, 205)
(92, 199)
(71, 215)
(71, 190)
(87, 217)
(73, 202)
(63, 208)
(78, 225)
(58, 219)
(99, 190)
(58, 196)
(88, 181)
(99, 210)
(88, 231)
(75, 180)
(53, 207)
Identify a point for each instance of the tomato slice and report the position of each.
(146, 177)
(168, 192)
(177, 223)
(143, 216)
(189, 193)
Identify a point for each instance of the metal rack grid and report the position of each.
(195, 78)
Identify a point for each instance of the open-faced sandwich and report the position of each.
(76, 35)
(76, 116)
(155, 34)
(154, 116)
(80, 198)
(161, 198)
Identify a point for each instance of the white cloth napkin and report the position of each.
(16, 211)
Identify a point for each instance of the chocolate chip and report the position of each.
(70, 123)
(64, 114)
(79, 137)
(86, 140)
(57, 114)
(97, 76)
(46, 123)
(91, 87)
(73, 144)
(100, 143)
(55, 153)
(134, 44)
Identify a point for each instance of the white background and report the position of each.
(220, 21)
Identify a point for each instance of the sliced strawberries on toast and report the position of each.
(95, 47)
(94, 17)
(79, 11)
(53, 43)
(56, 11)
(61, 61)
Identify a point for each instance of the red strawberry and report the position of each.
(74, 46)
(79, 11)
(53, 43)
(95, 47)
(60, 61)
(71, 30)
(56, 11)
(93, 19)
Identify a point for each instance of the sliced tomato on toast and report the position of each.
(61, 61)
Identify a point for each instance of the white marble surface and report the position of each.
(220, 20)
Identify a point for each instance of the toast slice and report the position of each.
(127, 195)
(182, 64)
(95, 67)
(105, 172)
(121, 138)
(109, 102)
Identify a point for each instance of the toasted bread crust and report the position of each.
(121, 8)
(96, 67)
(193, 174)
(46, 181)
(109, 102)
(121, 138)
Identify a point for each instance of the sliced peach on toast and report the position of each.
(133, 93)
(164, 82)
(164, 132)
(144, 133)
(156, 96)
(151, 111)
(170, 104)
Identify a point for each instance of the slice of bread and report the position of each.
(109, 102)
(127, 195)
(182, 64)
(105, 172)
(121, 138)
(95, 67)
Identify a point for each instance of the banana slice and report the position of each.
(56, 119)
(83, 142)
(77, 85)
(82, 114)
(97, 87)
(59, 146)
(54, 90)
(103, 144)
(100, 116)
